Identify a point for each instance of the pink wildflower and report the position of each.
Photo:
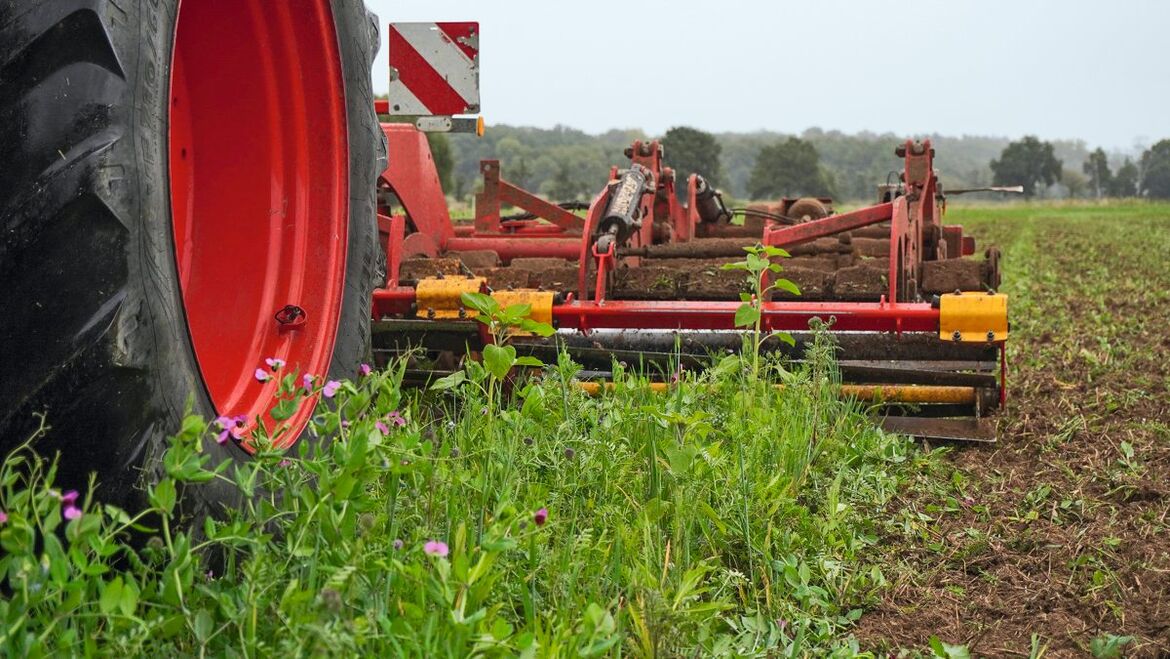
(540, 516)
(436, 548)
(365, 369)
(284, 463)
(239, 427)
(330, 388)
(396, 418)
(262, 375)
(231, 426)
(382, 428)
(307, 382)
(274, 363)
(397, 544)
(3, 517)
(69, 503)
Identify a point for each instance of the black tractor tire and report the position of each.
(93, 331)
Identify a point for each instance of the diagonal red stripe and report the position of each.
(421, 78)
(455, 31)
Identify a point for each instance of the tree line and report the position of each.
(563, 163)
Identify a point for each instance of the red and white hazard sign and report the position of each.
(434, 68)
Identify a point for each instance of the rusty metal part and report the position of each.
(497, 191)
(963, 430)
(866, 392)
(714, 248)
(991, 274)
(909, 393)
(807, 209)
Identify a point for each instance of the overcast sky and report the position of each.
(1099, 71)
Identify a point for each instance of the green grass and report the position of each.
(727, 517)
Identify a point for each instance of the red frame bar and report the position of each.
(497, 191)
(511, 247)
(809, 231)
(711, 315)
(720, 315)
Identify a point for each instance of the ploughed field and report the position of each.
(1058, 536)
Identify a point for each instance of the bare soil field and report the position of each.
(1056, 540)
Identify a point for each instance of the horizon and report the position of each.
(1023, 75)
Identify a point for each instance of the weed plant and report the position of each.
(499, 515)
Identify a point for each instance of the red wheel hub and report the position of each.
(259, 182)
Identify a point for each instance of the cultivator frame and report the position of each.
(934, 362)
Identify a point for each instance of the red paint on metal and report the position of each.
(512, 247)
(782, 316)
(462, 34)
(496, 191)
(392, 301)
(381, 106)
(422, 79)
(585, 242)
(898, 230)
(712, 315)
(809, 231)
(259, 183)
(392, 230)
(412, 176)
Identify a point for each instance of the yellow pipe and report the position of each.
(910, 393)
(888, 393)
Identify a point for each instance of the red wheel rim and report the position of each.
(259, 194)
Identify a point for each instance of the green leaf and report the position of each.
(512, 314)
(1108, 646)
(480, 302)
(499, 359)
(948, 651)
(738, 265)
(501, 629)
(746, 316)
(128, 604)
(284, 409)
(529, 361)
(203, 626)
(770, 250)
(111, 595)
(163, 495)
(786, 285)
(536, 327)
(449, 382)
(785, 337)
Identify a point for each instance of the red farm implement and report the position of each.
(219, 193)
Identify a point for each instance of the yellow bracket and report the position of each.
(540, 301)
(973, 317)
(441, 298)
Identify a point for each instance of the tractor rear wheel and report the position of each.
(187, 188)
